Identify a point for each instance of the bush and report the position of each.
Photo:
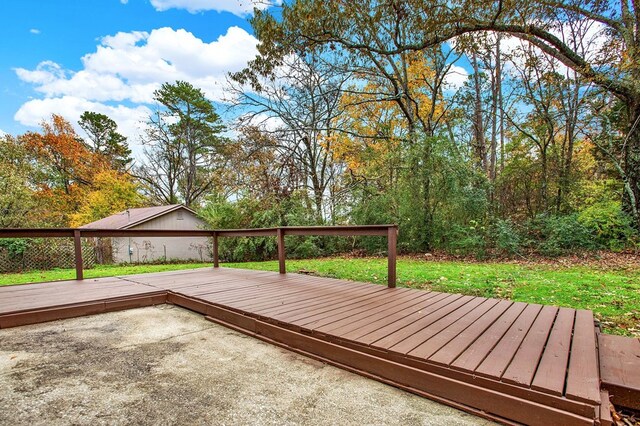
(374, 209)
(558, 235)
(307, 249)
(15, 246)
(249, 213)
(507, 239)
(470, 239)
(610, 227)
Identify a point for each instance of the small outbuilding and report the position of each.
(150, 249)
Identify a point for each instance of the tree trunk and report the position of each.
(478, 124)
(571, 107)
(426, 197)
(544, 196)
(631, 199)
(496, 89)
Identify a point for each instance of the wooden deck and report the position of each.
(620, 369)
(35, 303)
(508, 361)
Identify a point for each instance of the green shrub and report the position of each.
(470, 239)
(610, 227)
(506, 237)
(15, 246)
(308, 249)
(249, 213)
(558, 235)
(374, 209)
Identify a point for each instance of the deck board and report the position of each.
(377, 301)
(342, 326)
(33, 303)
(298, 293)
(412, 342)
(525, 361)
(583, 361)
(476, 352)
(553, 364)
(509, 361)
(321, 310)
(412, 324)
(40, 296)
(474, 321)
(360, 332)
(460, 343)
(620, 369)
(500, 357)
(311, 300)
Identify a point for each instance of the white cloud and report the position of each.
(456, 77)
(3, 133)
(46, 72)
(130, 66)
(237, 7)
(129, 119)
(34, 31)
(119, 78)
(124, 1)
(587, 37)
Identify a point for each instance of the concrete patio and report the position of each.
(167, 365)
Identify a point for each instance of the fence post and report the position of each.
(281, 252)
(392, 239)
(77, 245)
(215, 249)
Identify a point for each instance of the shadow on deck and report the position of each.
(508, 361)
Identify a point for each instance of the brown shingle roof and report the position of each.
(124, 220)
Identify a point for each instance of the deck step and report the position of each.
(619, 369)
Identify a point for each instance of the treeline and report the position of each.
(479, 127)
(518, 135)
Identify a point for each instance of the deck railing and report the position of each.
(389, 231)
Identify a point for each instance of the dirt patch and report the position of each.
(166, 365)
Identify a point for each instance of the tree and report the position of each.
(70, 181)
(64, 167)
(413, 81)
(304, 99)
(261, 169)
(17, 199)
(183, 146)
(384, 29)
(105, 139)
(112, 192)
(371, 148)
(62, 155)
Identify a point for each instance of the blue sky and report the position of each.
(66, 56)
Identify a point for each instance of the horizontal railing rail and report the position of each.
(390, 231)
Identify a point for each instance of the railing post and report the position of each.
(281, 252)
(77, 245)
(215, 249)
(392, 239)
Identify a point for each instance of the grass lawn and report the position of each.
(612, 294)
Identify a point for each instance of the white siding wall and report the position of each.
(146, 249)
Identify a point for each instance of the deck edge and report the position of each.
(81, 309)
(485, 403)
